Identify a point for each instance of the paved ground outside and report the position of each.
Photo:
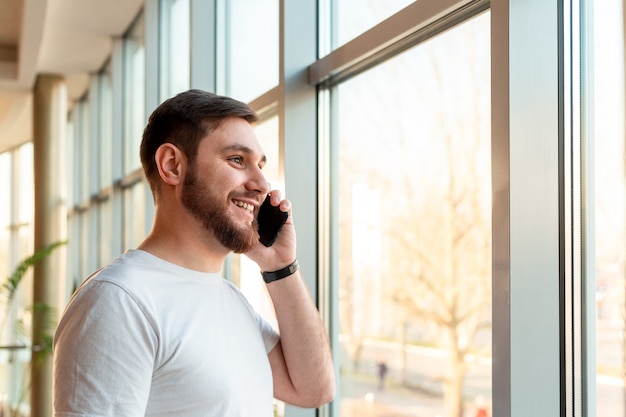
(360, 397)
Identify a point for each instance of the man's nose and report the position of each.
(259, 183)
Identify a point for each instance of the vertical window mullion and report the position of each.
(527, 210)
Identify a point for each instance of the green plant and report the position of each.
(13, 281)
(41, 311)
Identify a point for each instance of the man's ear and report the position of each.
(170, 162)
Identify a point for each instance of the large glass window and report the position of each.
(134, 94)
(81, 157)
(410, 165)
(16, 243)
(105, 127)
(5, 211)
(251, 54)
(175, 47)
(414, 210)
(134, 214)
(103, 234)
(610, 225)
(25, 180)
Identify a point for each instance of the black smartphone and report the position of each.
(270, 219)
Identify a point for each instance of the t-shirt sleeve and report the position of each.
(269, 334)
(104, 350)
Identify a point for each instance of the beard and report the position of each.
(205, 206)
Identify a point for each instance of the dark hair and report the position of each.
(184, 120)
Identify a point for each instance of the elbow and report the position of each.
(328, 394)
(321, 394)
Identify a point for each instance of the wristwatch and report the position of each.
(281, 273)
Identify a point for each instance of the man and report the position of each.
(159, 332)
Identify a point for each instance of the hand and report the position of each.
(283, 251)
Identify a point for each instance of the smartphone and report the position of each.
(270, 219)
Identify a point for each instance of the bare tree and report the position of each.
(442, 252)
(420, 143)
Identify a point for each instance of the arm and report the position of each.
(301, 362)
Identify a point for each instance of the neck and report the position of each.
(184, 242)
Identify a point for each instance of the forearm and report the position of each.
(304, 341)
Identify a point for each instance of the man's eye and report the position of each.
(237, 160)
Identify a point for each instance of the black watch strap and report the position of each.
(281, 273)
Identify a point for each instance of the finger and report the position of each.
(285, 205)
(276, 197)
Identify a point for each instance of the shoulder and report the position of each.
(110, 293)
(132, 273)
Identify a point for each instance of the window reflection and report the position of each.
(415, 231)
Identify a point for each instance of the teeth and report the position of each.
(244, 206)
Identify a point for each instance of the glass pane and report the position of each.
(70, 157)
(26, 186)
(18, 324)
(357, 16)
(105, 242)
(134, 88)
(5, 190)
(414, 210)
(610, 206)
(134, 215)
(81, 152)
(252, 45)
(6, 263)
(74, 270)
(93, 231)
(176, 48)
(6, 266)
(105, 125)
(267, 132)
(85, 246)
(24, 295)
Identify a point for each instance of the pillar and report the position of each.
(49, 134)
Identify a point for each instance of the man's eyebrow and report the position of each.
(236, 147)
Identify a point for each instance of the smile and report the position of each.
(245, 206)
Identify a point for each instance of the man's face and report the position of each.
(225, 186)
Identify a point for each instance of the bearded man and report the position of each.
(159, 332)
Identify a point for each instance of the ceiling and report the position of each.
(72, 38)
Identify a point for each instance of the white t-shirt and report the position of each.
(144, 337)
